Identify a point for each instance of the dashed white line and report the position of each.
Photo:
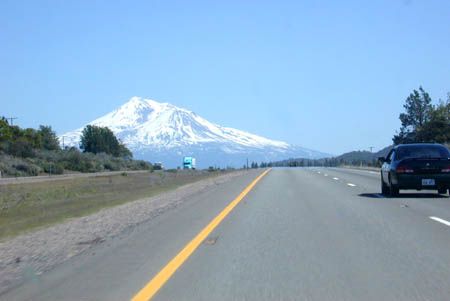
(325, 175)
(440, 220)
(350, 184)
(336, 179)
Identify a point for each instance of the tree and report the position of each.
(49, 140)
(5, 133)
(437, 129)
(32, 137)
(95, 139)
(124, 151)
(418, 110)
(16, 141)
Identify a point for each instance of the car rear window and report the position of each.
(422, 151)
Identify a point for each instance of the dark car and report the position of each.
(416, 166)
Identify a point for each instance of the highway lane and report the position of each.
(305, 236)
(428, 203)
(297, 235)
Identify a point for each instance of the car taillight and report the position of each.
(446, 169)
(404, 169)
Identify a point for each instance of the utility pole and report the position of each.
(371, 149)
(11, 119)
(247, 163)
(63, 142)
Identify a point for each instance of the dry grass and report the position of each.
(24, 207)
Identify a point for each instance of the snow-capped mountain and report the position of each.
(162, 132)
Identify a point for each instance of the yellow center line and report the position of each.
(153, 286)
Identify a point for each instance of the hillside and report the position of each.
(364, 157)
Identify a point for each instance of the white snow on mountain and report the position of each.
(161, 131)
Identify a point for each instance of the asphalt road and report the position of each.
(299, 234)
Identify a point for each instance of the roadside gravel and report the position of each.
(36, 252)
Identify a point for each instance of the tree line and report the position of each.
(28, 151)
(24, 142)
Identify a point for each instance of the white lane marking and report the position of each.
(318, 172)
(443, 221)
(374, 172)
(336, 179)
(325, 175)
(350, 184)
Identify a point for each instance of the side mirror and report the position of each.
(382, 159)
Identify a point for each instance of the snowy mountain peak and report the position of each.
(148, 126)
(136, 102)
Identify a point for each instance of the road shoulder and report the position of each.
(38, 252)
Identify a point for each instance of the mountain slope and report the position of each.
(163, 132)
(363, 156)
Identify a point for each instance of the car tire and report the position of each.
(384, 188)
(393, 189)
(442, 190)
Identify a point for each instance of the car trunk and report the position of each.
(426, 165)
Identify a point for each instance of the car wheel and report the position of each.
(393, 190)
(442, 190)
(384, 188)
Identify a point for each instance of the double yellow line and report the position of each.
(152, 287)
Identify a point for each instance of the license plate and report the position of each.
(428, 182)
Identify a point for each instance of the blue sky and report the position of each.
(328, 75)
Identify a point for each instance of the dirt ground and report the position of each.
(27, 206)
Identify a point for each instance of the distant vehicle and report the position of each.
(158, 166)
(416, 166)
(188, 163)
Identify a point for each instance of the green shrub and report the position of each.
(21, 148)
(111, 166)
(53, 168)
(57, 161)
(59, 169)
(26, 169)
